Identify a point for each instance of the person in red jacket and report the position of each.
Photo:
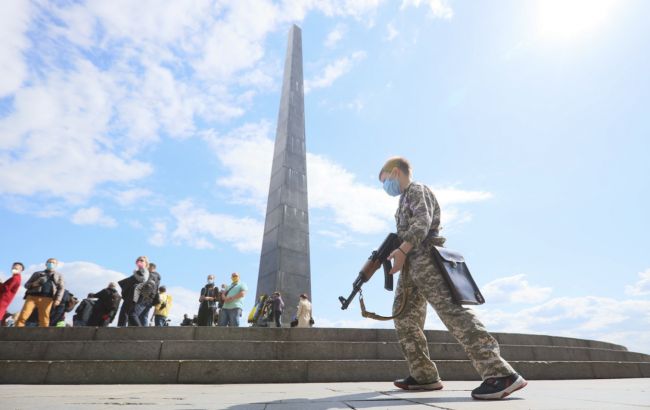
(9, 288)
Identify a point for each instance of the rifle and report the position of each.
(377, 259)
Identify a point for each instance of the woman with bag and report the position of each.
(304, 312)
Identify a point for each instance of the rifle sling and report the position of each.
(373, 315)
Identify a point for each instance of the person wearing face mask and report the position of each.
(418, 226)
(9, 288)
(44, 290)
(233, 302)
(208, 299)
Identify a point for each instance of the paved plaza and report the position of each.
(606, 394)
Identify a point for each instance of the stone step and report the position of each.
(272, 334)
(285, 350)
(284, 371)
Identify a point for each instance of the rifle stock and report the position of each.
(377, 259)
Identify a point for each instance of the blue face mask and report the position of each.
(391, 186)
(50, 265)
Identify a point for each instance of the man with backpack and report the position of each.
(44, 290)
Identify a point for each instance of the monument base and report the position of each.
(170, 355)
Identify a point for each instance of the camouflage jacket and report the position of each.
(418, 216)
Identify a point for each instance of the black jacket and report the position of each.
(108, 299)
(128, 288)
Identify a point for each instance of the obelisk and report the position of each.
(284, 263)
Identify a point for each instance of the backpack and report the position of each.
(83, 312)
(47, 288)
(71, 302)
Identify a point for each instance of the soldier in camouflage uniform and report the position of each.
(418, 223)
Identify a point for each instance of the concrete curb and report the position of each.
(283, 371)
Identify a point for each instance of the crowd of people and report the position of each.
(223, 306)
(47, 301)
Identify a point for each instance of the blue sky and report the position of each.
(131, 128)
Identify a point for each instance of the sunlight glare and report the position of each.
(566, 20)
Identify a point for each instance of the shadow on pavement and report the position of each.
(360, 401)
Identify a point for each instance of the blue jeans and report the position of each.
(229, 317)
(136, 313)
(160, 320)
(144, 316)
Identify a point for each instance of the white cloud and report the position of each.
(642, 287)
(588, 317)
(438, 8)
(83, 124)
(158, 69)
(362, 323)
(183, 301)
(130, 196)
(333, 71)
(159, 234)
(14, 21)
(334, 36)
(356, 8)
(392, 32)
(237, 43)
(247, 153)
(143, 22)
(514, 289)
(199, 228)
(359, 9)
(451, 196)
(335, 189)
(93, 216)
(61, 125)
(84, 277)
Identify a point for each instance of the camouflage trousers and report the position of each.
(425, 284)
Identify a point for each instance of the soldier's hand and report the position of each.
(398, 257)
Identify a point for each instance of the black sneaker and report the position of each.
(410, 384)
(496, 388)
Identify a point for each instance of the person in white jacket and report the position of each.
(304, 312)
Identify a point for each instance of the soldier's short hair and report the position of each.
(400, 162)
